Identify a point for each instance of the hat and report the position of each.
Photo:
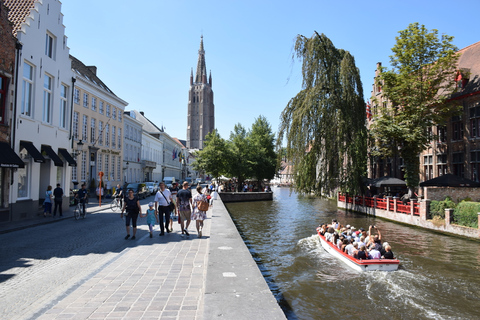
(348, 226)
(151, 204)
(352, 228)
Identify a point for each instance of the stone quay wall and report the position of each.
(419, 220)
(456, 193)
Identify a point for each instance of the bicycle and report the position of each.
(115, 204)
(78, 211)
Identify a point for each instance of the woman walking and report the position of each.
(133, 208)
(48, 202)
(199, 215)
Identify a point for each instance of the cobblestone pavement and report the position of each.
(85, 270)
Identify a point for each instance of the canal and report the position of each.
(439, 275)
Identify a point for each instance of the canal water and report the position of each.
(439, 275)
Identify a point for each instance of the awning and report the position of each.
(36, 155)
(55, 158)
(8, 157)
(67, 156)
(449, 180)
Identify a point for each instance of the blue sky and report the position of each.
(144, 50)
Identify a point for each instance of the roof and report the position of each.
(148, 126)
(182, 142)
(19, 10)
(469, 61)
(80, 68)
(449, 180)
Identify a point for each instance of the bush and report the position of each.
(466, 214)
(437, 208)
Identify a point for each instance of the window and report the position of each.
(22, 187)
(100, 132)
(114, 137)
(74, 173)
(76, 96)
(119, 115)
(84, 128)
(75, 124)
(119, 171)
(442, 133)
(50, 46)
(85, 100)
(94, 104)
(107, 164)
(63, 106)
(100, 109)
(93, 125)
(475, 165)
(27, 90)
(428, 167)
(3, 98)
(119, 138)
(457, 164)
(474, 121)
(107, 135)
(112, 173)
(99, 163)
(47, 98)
(114, 113)
(108, 111)
(84, 166)
(457, 128)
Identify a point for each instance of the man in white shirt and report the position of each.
(162, 201)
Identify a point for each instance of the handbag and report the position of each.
(171, 205)
(202, 205)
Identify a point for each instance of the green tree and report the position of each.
(418, 87)
(262, 143)
(324, 124)
(240, 161)
(212, 159)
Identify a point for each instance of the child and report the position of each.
(151, 218)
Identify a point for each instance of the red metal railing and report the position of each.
(382, 204)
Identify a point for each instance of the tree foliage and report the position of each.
(212, 159)
(324, 124)
(418, 87)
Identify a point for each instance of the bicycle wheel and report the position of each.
(76, 212)
(114, 205)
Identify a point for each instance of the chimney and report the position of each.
(93, 69)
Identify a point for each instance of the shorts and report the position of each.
(185, 215)
(131, 217)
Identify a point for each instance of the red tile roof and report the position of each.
(19, 10)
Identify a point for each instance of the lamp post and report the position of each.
(79, 149)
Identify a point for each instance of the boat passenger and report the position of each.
(382, 250)
(349, 248)
(362, 253)
(361, 242)
(334, 238)
(388, 254)
(344, 244)
(354, 251)
(340, 242)
(374, 254)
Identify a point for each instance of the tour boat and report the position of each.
(359, 264)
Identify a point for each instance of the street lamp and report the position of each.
(79, 149)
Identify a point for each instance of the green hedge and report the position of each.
(437, 208)
(466, 214)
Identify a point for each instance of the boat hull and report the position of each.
(358, 264)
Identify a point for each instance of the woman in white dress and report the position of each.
(197, 214)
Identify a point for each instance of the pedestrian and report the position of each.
(151, 217)
(82, 196)
(162, 210)
(119, 195)
(184, 201)
(99, 191)
(132, 206)
(173, 190)
(199, 215)
(58, 194)
(48, 202)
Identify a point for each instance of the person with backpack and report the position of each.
(132, 206)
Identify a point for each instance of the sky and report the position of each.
(144, 50)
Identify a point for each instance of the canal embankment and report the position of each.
(235, 288)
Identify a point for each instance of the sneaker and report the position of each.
(162, 234)
(133, 238)
(168, 230)
(200, 233)
(186, 232)
(127, 236)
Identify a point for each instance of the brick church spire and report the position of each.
(201, 110)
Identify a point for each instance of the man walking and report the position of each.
(184, 204)
(162, 201)
(58, 194)
(173, 190)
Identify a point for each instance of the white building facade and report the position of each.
(132, 165)
(42, 115)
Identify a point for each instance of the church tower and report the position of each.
(201, 110)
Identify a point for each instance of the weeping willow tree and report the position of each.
(323, 126)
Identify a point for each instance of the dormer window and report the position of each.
(463, 75)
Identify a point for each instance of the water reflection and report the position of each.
(438, 277)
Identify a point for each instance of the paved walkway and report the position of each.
(175, 278)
